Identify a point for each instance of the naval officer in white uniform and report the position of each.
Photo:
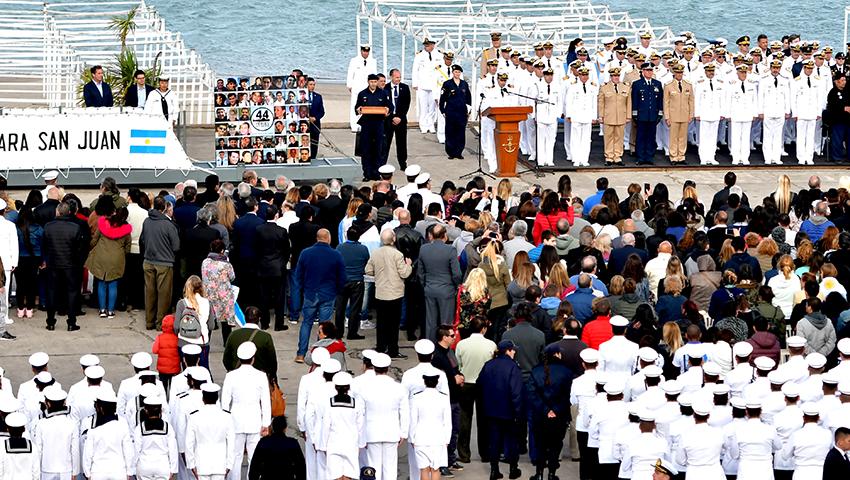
(210, 438)
(357, 79)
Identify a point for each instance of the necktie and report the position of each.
(809, 81)
(164, 105)
(429, 56)
(615, 88)
(743, 89)
(395, 97)
(775, 82)
(680, 85)
(584, 87)
(689, 66)
(548, 89)
(364, 62)
(493, 81)
(711, 84)
(311, 97)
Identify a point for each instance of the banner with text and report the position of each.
(88, 138)
(261, 120)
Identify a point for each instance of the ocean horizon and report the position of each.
(275, 36)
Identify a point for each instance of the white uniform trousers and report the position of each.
(739, 142)
(772, 141)
(411, 463)
(321, 465)
(531, 129)
(723, 132)
(755, 469)
(808, 472)
(56, 476)
(693, 132)
(244, 441)
(567, 139)
(383, 457)
(818, 136)
(210, 477)
(441, 119)
(183, 472)
(755, 133)
(805, 141)
(352, 116)
(627, 135)
(546, 134)
(310, 460)
(580, 143)
(488, 142)
(426, 109)
(708, 142)
(523, 138)
(662, 137)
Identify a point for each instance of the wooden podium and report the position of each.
(507, 135)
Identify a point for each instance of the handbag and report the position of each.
(278, 399)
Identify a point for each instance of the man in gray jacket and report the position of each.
(439, 273)
(158, 245)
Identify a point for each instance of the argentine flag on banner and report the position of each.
(147, 141)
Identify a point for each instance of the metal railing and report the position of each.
(45, 47)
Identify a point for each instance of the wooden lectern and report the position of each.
(507, 135)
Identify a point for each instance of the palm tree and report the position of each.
(124, 26)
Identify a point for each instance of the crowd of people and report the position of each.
(693, 335)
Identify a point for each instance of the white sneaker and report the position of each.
(366, 325)
(784, 153)
(745, 162)
(9, 321)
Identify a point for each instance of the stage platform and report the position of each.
(320, 170)
(662, 161)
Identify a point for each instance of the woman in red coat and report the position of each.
(548, 216)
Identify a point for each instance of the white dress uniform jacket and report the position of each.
(604, 424)
(188, 402)
(548, 112)
(582, 391)
(128, 389)
(210, 441)
(108, 452)
(642, 453)
(155, 451)
(581, 109)
(430, 426)
(806, 451)
(740, 376)
(57, 439)
(18, 460)
(730, 463)
(155, 101)
(386, 422)
(340, 435)
(699, 450)
(753, 445)
(786, 422)
(617, 357)
(245, 394)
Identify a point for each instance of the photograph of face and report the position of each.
(288, 138)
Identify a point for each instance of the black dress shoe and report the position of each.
(51, 327)
(355, 337)
(398, 355)
(73, 328)
(515, 473)
(280, 328)
(460, 157)
(411, 337)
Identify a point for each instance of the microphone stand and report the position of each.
(536, 167)
(478, 171)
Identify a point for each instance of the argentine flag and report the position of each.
(147, 141)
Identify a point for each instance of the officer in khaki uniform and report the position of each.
(678, 112)
(615, 112)
(492, 52)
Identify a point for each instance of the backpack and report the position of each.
(190, 325)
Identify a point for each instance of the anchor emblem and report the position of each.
(510, 146)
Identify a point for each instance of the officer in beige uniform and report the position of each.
(678, 113)
(614, 105)
(491, 53)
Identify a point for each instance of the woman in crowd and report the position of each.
(764, 253)
(784, 197)
(671, 341)
(549, 411)
(194, 308)
(109, 246)
(473, 301)
(498, 278)
(548, 216)
(644, 324)
(217, 278)
(634, 270)
(559, 278)
(524, 274)
(669, 306)
(29, 255)
(785, 285)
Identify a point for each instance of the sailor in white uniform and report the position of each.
(618, 356)
(636, 384)
(806, 108)
(653, 397)
(774, 109)
(108, 452)
(245, 395)
(786, 422)
(155, 444)
(753, 445)
(191, 358)
(645, 449)
(210, 438)
(709, 109)
(547, 115)
(340, 430)
(413, 381)
(404, 192)
(38, 362)
(187, 402)
(86, 361)
(135, 411)
(129, 387)
(387, 417)
(316, 401)
(739, 420)
(700, 446)
(310, 383)
(581, 114)
(163, 101)
(495, 96)
(743, 373)
(19, 457)
(583, 390)
(57, 438)
(795, 369)
(668, 413)
(808, 446)
(423, 65)
(721, 412)
(359, 69)
(430, 424)
(743, 107)
(760, 387)
(843, 367)
(606, 419)
(811, 390)
(679, 426)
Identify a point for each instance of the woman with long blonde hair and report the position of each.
(473, 300)
(524, 274)
(559, 277)
(783, 196)
(503, 200)
(194, 304)
(225, 212)
(671, 341)
(498, 279)
(350, 214)
(726, 251)
(785, 285)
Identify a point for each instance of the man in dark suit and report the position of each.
(330, 211)
(837, 463)
(618, 257)
(317, 111)
(396, 122)
(272, 247)
(721, 198)
(244, 253)
(137, 93)
(439, 274)
(97, 93)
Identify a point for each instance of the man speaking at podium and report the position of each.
(371, 126)
(496, 96)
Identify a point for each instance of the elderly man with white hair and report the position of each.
(656, 269)
(517, 243)
(389, 267)
(817, 223)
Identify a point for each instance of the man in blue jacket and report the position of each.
(317, 111)
(647, 110)
(319, 276)
(97, 93)
(501, 390)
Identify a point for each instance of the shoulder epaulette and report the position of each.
(182, 395)
(193, 412)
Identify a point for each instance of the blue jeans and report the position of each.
(312, 308)
(838, 142)
(107, 293)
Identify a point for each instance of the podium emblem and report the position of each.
(509, 146)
